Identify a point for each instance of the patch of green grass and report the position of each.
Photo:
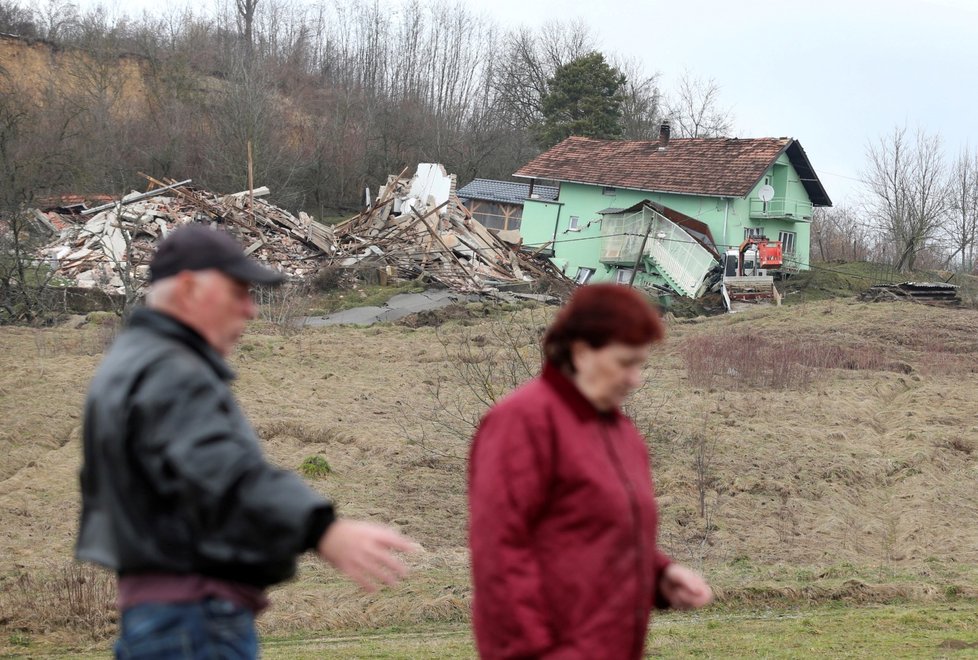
(315, 467)
(834, 280)
(449, 641)
(366, 295)
(19, 639)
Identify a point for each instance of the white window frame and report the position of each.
(574, 223)
(584, 275)
(784, 243)
(753, 231)
(623, 275)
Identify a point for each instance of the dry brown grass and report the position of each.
(860, 474)
(71, 597)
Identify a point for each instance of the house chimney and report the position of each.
(664, 131)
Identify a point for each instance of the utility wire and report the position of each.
(786, 259)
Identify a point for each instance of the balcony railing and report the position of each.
(781, 208)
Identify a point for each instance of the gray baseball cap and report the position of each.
(197, 247)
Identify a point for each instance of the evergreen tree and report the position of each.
(585, 98)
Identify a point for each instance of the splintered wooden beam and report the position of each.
(450, 253)
(175, 187)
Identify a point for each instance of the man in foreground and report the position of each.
(177, 497)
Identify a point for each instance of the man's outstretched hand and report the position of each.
(364, 551)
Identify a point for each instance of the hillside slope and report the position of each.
(40, 70)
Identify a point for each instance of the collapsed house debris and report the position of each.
(109, 246)
(417, 226)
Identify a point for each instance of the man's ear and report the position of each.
(185, 285)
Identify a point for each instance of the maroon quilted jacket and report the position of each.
(562, 528)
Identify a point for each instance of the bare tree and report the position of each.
(18, 20)
(35, 157)
(530, 60)
(56, 19)
(907, 182)
(839, 234)
(962, 222)
(246, 19)
(641, 110)
(249, 111)
(696, 110)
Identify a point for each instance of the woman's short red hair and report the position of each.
(602, 314)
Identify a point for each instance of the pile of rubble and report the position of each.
(110, 246)
(416, 227)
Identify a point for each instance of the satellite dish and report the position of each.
(766, 193)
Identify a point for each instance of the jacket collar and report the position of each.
(568, 392)
(166, 325)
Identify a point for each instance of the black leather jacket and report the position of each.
(173, 478)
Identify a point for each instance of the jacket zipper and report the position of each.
(639, 542)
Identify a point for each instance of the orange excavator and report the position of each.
(747, 273)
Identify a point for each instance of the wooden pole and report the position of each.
(251, 185)
(641, 250)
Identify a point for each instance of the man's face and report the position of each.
(220, 306)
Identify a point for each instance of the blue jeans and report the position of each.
(211, 629)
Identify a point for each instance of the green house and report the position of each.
(736, 187)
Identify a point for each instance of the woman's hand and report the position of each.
(685, 589)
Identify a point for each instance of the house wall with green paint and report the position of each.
(573, 224)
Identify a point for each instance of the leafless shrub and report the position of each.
(886, 525)
(73, 596)
(104, 329)
(303, 433)
(692, 536)
(281, 305)
(692, 532)
(939, 357)
(752, 360)
(840, 234)
(24, 280)
(486, 365)
(703, 446)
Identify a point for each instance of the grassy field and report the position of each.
(835, 630)
(816, 459)
(894, 631)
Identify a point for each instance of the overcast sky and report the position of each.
(832, 74)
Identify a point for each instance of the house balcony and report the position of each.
(781, 208)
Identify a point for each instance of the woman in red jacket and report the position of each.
(563, 518)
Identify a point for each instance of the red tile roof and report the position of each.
(722, 167)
